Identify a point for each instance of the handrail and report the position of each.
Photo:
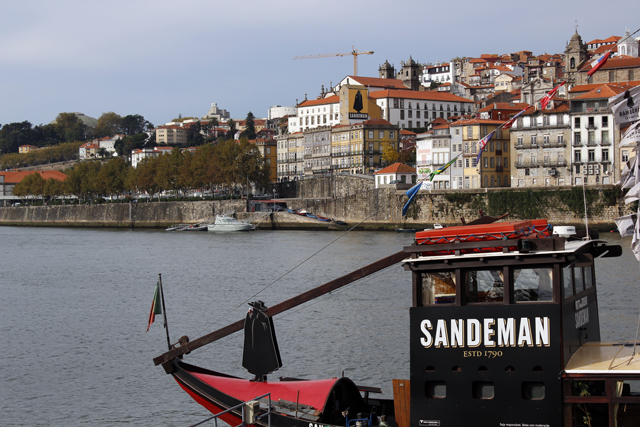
(215, 416)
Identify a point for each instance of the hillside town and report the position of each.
(516, 119)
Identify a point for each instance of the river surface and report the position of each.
(74, 305)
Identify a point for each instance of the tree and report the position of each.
(53, 188)
(32, 184)
(168, 169)
(111, 177)
(232, 129)
(389, 153)
(249, 131)
(194, 136)
(109, 124)
(70, 127)
(13, 135)
(407, 156)
(81, 179)
(133, 124)
(144, 176)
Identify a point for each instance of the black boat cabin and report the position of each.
(504, 326)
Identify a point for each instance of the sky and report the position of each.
(162, 59)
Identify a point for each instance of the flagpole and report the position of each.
(164, 311)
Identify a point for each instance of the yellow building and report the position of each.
(171, 135)
(268, 149)
(493, 169)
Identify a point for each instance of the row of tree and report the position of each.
(228, 164)
(68, 128)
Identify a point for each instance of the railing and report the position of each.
(244, 421)
(527, 164)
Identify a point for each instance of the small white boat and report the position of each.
(227, 223)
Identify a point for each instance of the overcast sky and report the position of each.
(161, 58)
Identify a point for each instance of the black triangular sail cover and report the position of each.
(261, 355)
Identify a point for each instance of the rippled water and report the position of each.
(74, 305)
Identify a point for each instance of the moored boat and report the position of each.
(228, 223)
(504, 330)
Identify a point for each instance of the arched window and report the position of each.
(573, 63)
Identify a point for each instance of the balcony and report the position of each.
(527, 164)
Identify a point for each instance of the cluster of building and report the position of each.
(441, 111)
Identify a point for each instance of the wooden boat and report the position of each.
(339, 222)
(504, 331)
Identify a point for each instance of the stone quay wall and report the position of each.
(344, 198)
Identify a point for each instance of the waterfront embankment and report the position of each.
(372, 209)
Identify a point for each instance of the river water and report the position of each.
(74, 305)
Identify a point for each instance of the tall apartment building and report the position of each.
(540, 145)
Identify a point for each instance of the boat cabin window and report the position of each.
(484, 286)
(567, 275)
(438, 288)
(588, 277)
(578, 280)
(483, 390)
(533, 284)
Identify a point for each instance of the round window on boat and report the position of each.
(533, 390)
(510, 369)
(435, 389)
(483, 369)
(430, 368)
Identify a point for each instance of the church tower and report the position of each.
(386, 71)
(574, 56)
(410, 74)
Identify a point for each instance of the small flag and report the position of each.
(598, 63)
(412, 195)
(512, 120)
(483, 143)
(544, 101)
(443, 168)
(155, 306)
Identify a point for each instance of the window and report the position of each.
(438, 288)
(576, 122)
(401, 114)
(577, 156)
(469, 131)
(520, 141)
(591, 156)
(533, 284)
(484, 286)
(576, 138)
(380, 134)
(560, 140)
(370, 134)
(625, 156)
(435, 389)
(482, 390)
(533, 390)
(391, 134)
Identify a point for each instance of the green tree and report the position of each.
(32, 184)
(194, 135)
(13, 135)
(144, 178)
(168, 170)
(232, 129)
(111, 177)
(81, 179)
(133, 124)
(70, 127)
(53, 188)
(109, 124)
(249, 131)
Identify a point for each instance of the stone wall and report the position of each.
(344, 198)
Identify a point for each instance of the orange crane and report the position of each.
(353, 52)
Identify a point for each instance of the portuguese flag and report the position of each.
(156, 308)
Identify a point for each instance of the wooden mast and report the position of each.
(285, 305)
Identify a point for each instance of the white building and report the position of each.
(311, 114)
(416, 109)
(433, 151)
(439, 73)
(277, 111)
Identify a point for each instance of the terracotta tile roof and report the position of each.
(14, 177)
(444, 126)
(616, 62)
(333, 99)
(467, 122)
(378, 82)
(377, 122)
(504, 106)
(406, 132)
(606, 90)
(438, 121)
(396, 168)
(420, 95)
(605, 48)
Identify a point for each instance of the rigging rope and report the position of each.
(295, 267)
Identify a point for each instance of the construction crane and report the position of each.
(353, 52)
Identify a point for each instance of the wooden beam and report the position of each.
(285, 305)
